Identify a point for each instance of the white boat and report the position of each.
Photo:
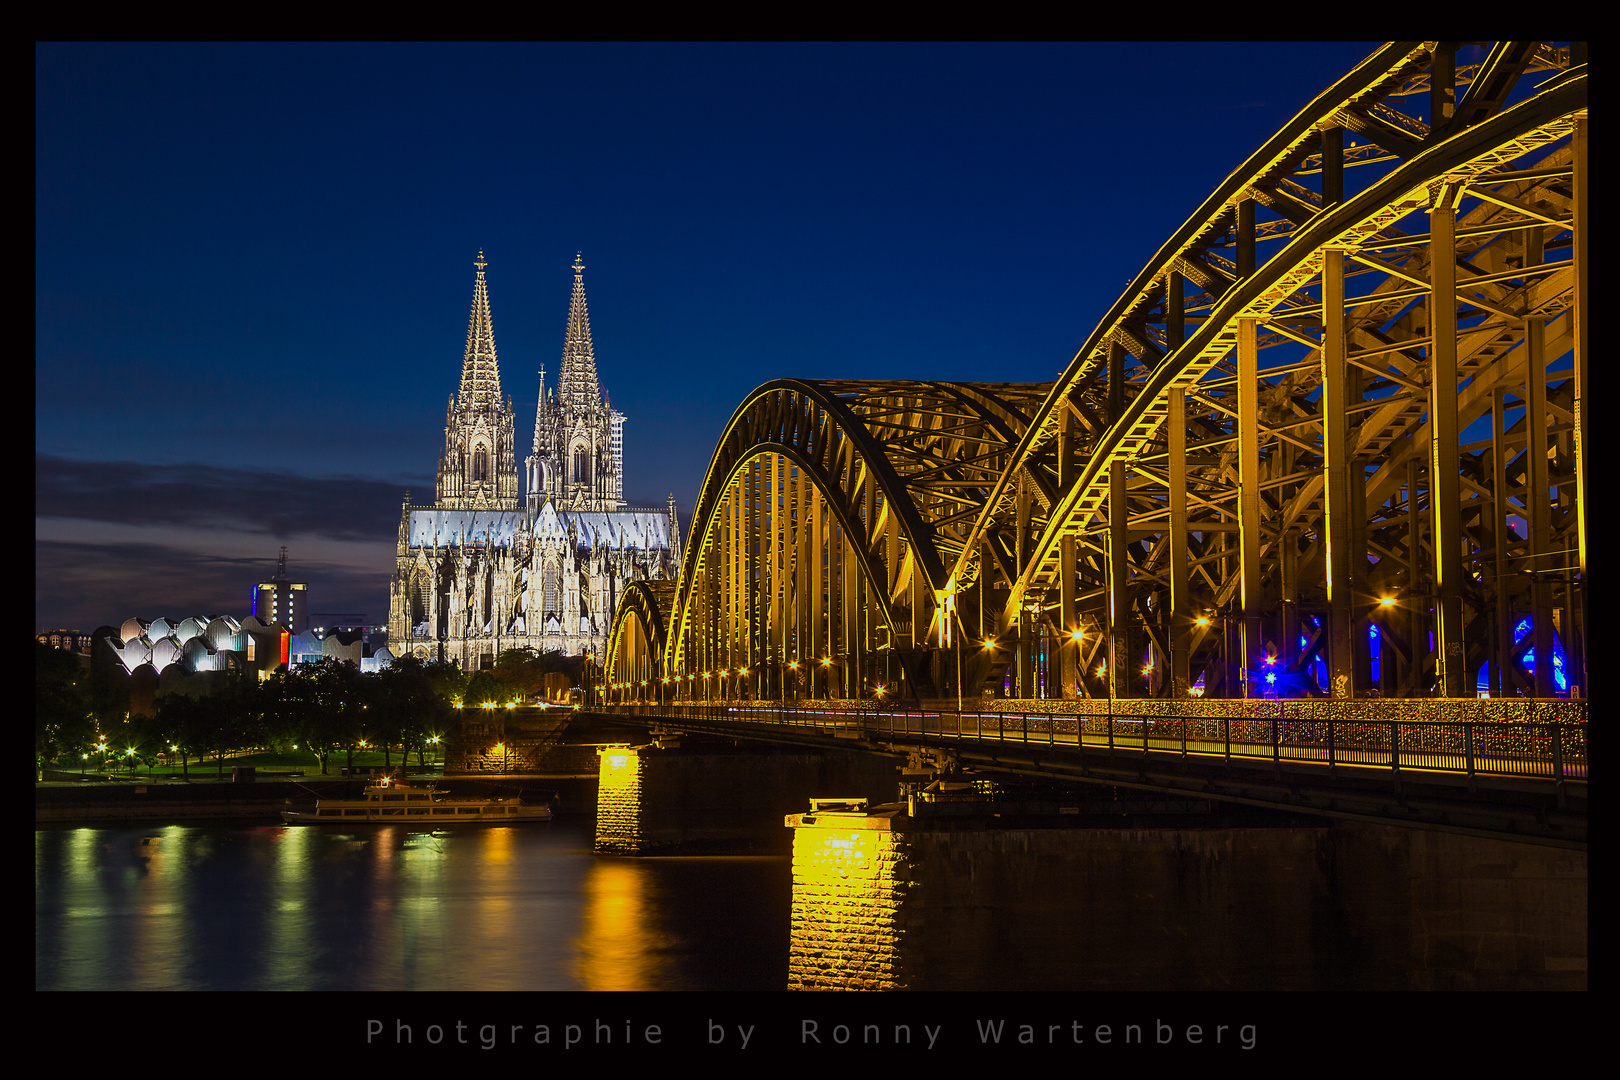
(397, 802)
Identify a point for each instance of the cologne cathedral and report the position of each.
(492, 565)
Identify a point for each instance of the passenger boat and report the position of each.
(396, 801)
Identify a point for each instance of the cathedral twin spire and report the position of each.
(477, 468)
(577, 383)
(577, 436)
(480, 372)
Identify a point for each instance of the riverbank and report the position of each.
(144, 802)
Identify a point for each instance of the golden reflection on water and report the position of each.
(206, 907)
(152, 928)
(618, 947)
(288, 963)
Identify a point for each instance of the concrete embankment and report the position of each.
(264, 799)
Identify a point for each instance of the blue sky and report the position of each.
(253, 264)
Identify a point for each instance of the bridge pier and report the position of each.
(702, 796)
(883, 899)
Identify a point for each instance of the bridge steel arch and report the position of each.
(634, 658)
(817, 553)
(1345, 396)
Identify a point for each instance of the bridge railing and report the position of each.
(1555, 750)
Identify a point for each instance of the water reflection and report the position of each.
(388, 908)
(619, 944)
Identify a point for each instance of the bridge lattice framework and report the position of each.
(1345, 395)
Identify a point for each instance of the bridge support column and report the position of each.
(1334, 405)
(1069, 669)
(1535, 477)
(1580, 184)
(1502, 680)
(1414, 681)
(1251, 637)
(1122, 659)
(1180, 623)
(1445, 490)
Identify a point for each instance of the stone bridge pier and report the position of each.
(885, 899)
(686, 796)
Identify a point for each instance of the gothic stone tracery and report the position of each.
(490, 567)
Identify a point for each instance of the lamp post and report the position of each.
(1077, 638)
(1204, 622)
(990, 646)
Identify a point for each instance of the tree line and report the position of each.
(326, 709)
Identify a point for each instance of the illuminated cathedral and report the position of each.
(498, 562)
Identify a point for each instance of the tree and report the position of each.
(483, 687)
(521, 673)
(319, 706)
(62, 720)
(337, 717)
(188, 724)
(406, 704)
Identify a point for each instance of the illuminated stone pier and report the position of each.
(885, 900)
(708, 797)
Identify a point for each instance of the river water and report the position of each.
(528, 907)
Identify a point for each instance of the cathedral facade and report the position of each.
(536, 559)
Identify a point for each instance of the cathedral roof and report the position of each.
(480, 374)
(447, 528)
(646, 530)
(641, 529)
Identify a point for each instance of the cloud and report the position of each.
(81, 585)
(116, 539)
(279, 504)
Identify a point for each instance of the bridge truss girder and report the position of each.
(1270, 423)
(1309, 415)
(815, 563)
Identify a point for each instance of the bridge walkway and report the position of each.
(1526, 780)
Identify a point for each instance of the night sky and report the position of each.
(253, 264)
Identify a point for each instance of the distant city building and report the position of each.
(198, 643)
(282, 600)
(364, 646)
(73, 641)
(176, 648)
(492, 565)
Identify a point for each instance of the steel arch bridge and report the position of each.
(1329, 442)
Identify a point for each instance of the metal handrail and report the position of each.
(1554, 750)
